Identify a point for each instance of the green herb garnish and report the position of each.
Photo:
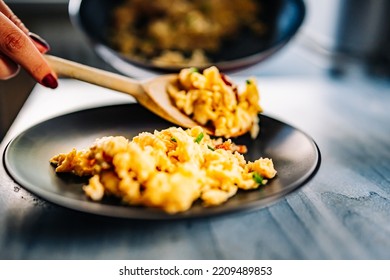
(173, 139)
(257, 178)
(194, 70)
(210, 148)
(248, 82)
(199, 138)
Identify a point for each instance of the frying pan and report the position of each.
(282, 18)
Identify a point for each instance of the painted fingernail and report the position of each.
(49, 81)
(39, 42)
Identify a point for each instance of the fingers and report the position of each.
(41, 44)
(17, 46)
(5, 10)
(8, 68)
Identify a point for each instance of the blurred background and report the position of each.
(339, 39)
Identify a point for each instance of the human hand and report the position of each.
(21, 48)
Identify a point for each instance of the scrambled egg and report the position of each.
(168, 169)
(211, 99)
(182, 32)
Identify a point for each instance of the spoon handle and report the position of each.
(71, 69)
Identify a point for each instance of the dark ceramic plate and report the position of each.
(295, 155)
(282, 18)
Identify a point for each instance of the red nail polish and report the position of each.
(39, 42)
(49, 81)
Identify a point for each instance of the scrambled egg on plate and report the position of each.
(168, 169)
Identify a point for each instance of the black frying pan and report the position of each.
(282, 18)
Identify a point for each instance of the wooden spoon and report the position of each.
(152, 93)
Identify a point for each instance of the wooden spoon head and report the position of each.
(156, 88)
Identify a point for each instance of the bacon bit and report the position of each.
(242, 149)
(225, 146)
(229, 146)
(226, 80)
(107, 158)
(229, 83)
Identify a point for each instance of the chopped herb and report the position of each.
(194, 70)
(248, 82)
(210, 148)
(173, 139)
(257, 178)
(199, 138)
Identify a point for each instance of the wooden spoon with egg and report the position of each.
(151, 93)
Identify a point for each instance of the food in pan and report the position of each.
(212, 100)
(181, 32)
(168, 169)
